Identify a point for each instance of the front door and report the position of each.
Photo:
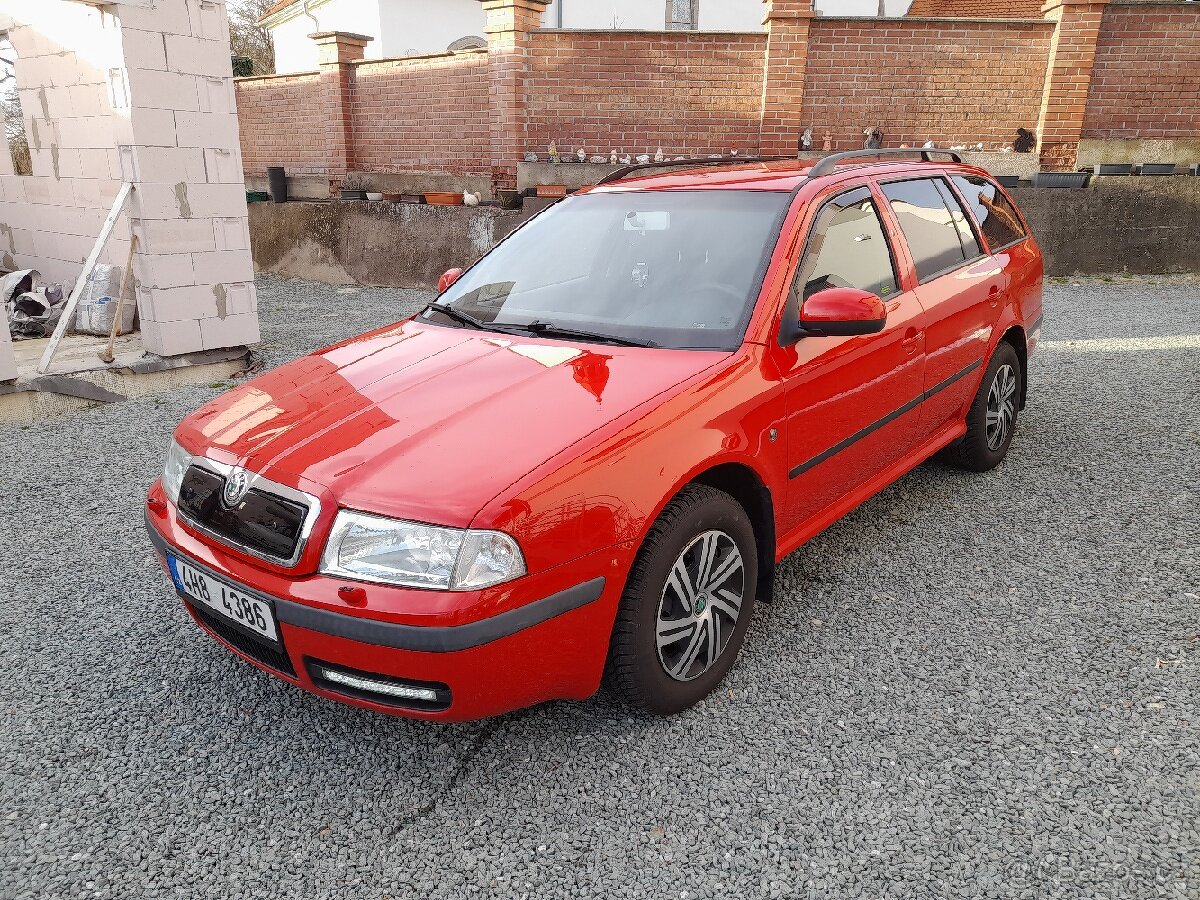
(852, 402)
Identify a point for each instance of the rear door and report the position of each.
(960, 286)
(848, 412)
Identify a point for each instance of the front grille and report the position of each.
(261, 522)
(269, 656)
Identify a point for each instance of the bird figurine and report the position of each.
(874, 138)
(470, 199)
(1025, 142)
(928, 145)
(625, 160)
(581, 155)
(658, 156)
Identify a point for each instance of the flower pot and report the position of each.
(1069, 180)
(1195, 169)
(374, 195)
(552, 191)
(443, 198)
(1008, 181)
(1156, 169)
(392, 196)
(353, 195)
(509, 199)
(1113, 169)
(257, 196)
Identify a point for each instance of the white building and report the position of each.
(411, 27)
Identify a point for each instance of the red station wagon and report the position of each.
(590, 453)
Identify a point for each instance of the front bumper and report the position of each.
(552, 646)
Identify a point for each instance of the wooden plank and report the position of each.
(81, 282)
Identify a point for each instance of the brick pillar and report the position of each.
(1068, 75)
(508, 25)
(337, 49)
(787, 24)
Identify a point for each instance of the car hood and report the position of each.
(428, 422)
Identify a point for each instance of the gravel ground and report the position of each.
(973, 686)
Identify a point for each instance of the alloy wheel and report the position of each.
(700, 605)
(1001, 407)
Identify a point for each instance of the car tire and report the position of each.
(702, 530)
(992, 418)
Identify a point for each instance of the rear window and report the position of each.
(996, 217)
(933, 231)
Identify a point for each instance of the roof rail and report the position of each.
(830, 163)
(690, 162)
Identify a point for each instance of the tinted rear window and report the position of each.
(928, 224)
(996, 217)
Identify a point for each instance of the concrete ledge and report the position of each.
(1145, 226)
(373, 242)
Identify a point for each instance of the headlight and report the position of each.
(177, 463)
(372, 548)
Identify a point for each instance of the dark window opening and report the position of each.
(933, 232)
(10, 110)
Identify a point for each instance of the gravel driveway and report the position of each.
(973, 686)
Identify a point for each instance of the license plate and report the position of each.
(224, 599)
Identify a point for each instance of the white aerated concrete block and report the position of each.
(8, 359)
(175, 235)
(224, 166)
(144, 49)
(216, 95)
(232, 233)
(169, 164)
(171, 338)
(164, 271)
(196, 129)
(150, 88)
(232, 331)
(179, 303)
(221, 265)
(196, 56)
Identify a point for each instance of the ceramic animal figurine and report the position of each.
(806, 139)
(874, 138)
(827, 141)
(470, 199)
(733, 152)
(978, 148)
(612, 158)
(658, 156)
(1025, 142)
(552, 152)
(643, 159)
(928, 145)
(598, 160)
(625, 160)
(531, 157)
(581, 155)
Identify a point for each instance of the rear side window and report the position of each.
(930, 228)
(996, 217)
(847, 248)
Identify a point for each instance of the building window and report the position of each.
(683, 15)
(12, 118)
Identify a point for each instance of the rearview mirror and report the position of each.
(448, 278)
(840, 312)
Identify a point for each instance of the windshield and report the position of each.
(677, 269)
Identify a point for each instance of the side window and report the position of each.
(996, 217)
(929, 227)
(966, 234)
(847, 248)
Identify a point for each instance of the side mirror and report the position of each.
(448, 278)
(840, 312)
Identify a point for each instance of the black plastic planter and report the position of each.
(1113, 169)
(277, 182)
(1156, 169)
(353, 195)
(1195, 169)
(1069, 180)
(1008, 181)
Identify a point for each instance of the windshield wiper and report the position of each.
(549, 329)
(461, 317)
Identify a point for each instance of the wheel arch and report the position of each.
(1016, 338)
(743, 483)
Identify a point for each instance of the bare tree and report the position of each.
(249, 39)
(11, 116)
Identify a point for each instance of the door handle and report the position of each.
(994, 294)
(910, 340)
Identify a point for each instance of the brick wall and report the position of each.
(948, 81)
(282, 123)
(688, 92)
(972, 9)
(1146, 77)
(425, 113)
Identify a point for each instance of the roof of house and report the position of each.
(976, 9)
(278, 6)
